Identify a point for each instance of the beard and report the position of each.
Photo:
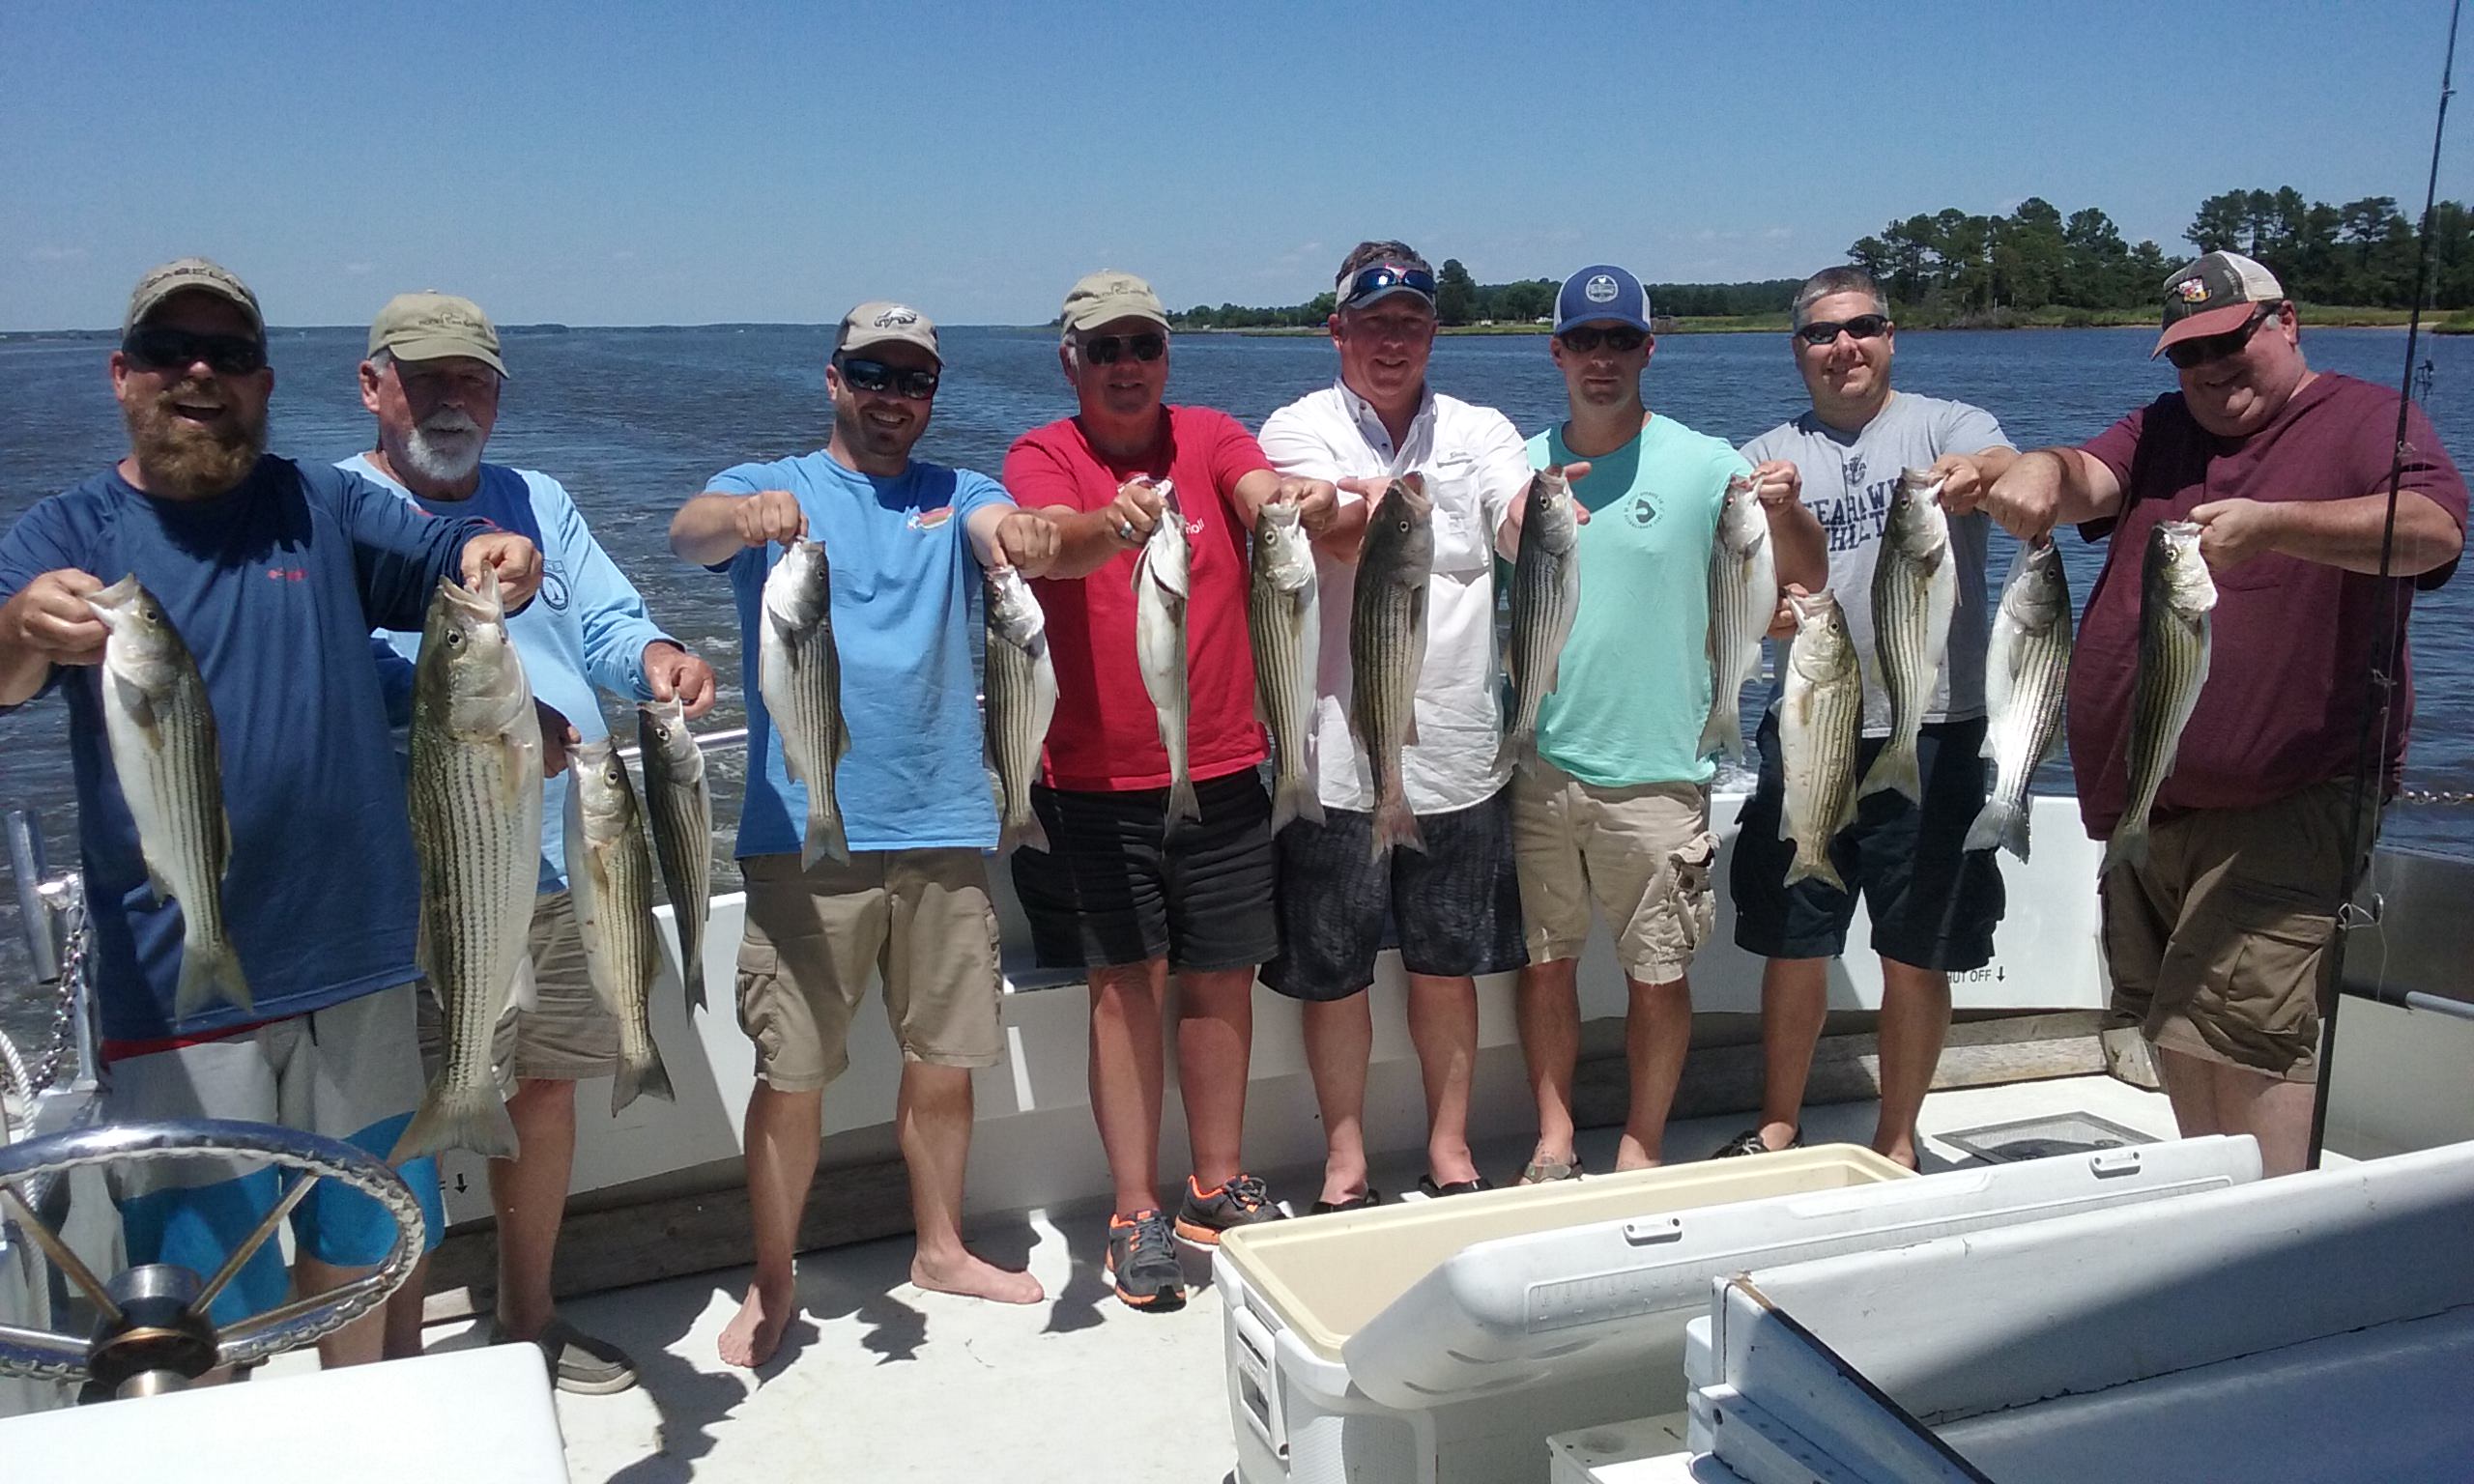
(445, 448)
(187, 459)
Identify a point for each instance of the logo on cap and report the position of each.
(896, 316)
(1599, 290)
(2194, 291)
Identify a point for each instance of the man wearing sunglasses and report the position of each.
(1616, 805)
(1932, 903)
(908, 541)
(1117, 893)
(1452, 907)
(270, 570)
(432, 381)
(2214, 939)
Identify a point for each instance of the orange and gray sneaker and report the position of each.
(1143, 1262)
(1241, 1201)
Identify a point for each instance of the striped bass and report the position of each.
(1284, 622)
(1545, 599)
(1388, 649)
(1022, 700)
(799, 675)
(1915, 588)
(475, 796)
(161, 727)
(680, 809)
(610, 876)
(2175, 595)
(1743, 599)
(1821, 719)
(2025, 669)
(1161, 589)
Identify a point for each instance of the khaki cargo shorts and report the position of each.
(569, 1034)
(919, 919)
(1642, 851)
(2214, 942)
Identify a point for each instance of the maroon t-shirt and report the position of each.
(2282, 709)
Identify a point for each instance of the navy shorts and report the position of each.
(1933, 904)
(1115, 887)
(1452, 909)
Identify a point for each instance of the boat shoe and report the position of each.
(1749, 1142)
(579, 1364)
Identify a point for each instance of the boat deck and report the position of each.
(878, 1380)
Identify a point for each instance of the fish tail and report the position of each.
(1824, 871)
(824, 839)
(1395, 825)
(2127, 847)
(2001, 825)
(209, 972)
(469, 1118)
(1181, 801)
(631, 1079)
(1294, 798)
(1029, 834)
(1896, 768)
(691, 974)
(1722, 733)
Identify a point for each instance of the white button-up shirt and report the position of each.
(1475, 466)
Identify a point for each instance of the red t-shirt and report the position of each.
(2282, 709)
(1107, 736)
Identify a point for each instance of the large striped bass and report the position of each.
(1022, 700)
(161, 727)
(1915, 588)
(2027, 667)
(1545, 599)
(1743, 599)
(2175, 595)
(1284, 622)
(1821, 719)
(681, 808)
(476, 797)
(610, 877)
(1161, 589)
(1388, 649)
(799, 675)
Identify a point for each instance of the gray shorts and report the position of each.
(569, 1034)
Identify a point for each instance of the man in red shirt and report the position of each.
(1120, 892)
(2215, 939)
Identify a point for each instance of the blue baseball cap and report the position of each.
(1602, 292)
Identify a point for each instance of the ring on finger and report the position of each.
(1125, 529)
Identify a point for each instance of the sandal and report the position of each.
(1542, 1170)
(1434, 1189)
(1365, 1200)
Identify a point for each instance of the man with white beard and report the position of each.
(432, 380)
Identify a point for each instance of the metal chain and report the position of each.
(73, 980)
(2432, 796)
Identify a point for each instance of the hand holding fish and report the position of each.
(1316, 502)
(1024, 542)
(50, 618)
(2024, 501)
(770, 516)
(558, 739)
(1778, 482)
(2232, 531)
(516, 561)
(1961, 480)
(1133, 515)
(1783, 626)
(672, 674)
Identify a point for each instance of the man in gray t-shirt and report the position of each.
(1934, 904)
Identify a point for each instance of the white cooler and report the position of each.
(1446, 1341)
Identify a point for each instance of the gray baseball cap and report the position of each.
(430, 325)
(883, 322)
(1103, 298)
(182, 276)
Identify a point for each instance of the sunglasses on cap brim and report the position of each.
(1376, 279)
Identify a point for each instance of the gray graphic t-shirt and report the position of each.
(1848, 482)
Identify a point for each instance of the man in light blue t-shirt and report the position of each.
(1616, 805)
(908, 541)
(432, 381)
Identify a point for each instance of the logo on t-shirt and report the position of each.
(930, 519)
(1644, 512)
(1851, 471)
(553, 586)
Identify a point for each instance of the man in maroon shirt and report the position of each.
(1118, 893)
(2215, 939)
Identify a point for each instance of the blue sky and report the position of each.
(642, 163)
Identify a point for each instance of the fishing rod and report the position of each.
(2388, 640)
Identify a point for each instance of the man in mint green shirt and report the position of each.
(1616, 805)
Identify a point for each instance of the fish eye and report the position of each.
(454, 638)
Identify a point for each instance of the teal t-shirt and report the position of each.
(1634, 682)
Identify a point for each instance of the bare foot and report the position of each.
(1632, 1154)
(973, 1277)
(755, 1332)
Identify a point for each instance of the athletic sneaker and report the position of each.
(1142, 1261)
(1749, 1142)
(1242, 1201)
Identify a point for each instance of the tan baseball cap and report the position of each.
(1105, 296)
(430, 325)
(883, 322)
(181, 275)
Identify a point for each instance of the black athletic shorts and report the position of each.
(1453, 908)
(1115, 887)
(1934, 904)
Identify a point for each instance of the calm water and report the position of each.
(634, 420)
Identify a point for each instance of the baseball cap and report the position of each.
(1100, 298)
(1602, 292)
(183, 275)
(430, 325)
(2213, 295)
(883, 322)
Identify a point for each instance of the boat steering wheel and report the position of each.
(152, 1333)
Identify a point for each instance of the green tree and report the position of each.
(1456, 294)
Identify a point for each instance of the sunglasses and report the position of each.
(1864, 327)
(2206, 348)
(876, 377)
(1621, 339)
(1109, 349)
(1383, 278)
(159, 349)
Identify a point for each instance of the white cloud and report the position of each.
(360, 270)
(1777, 234)
(55, 254)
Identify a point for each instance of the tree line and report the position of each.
(1959, 267)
